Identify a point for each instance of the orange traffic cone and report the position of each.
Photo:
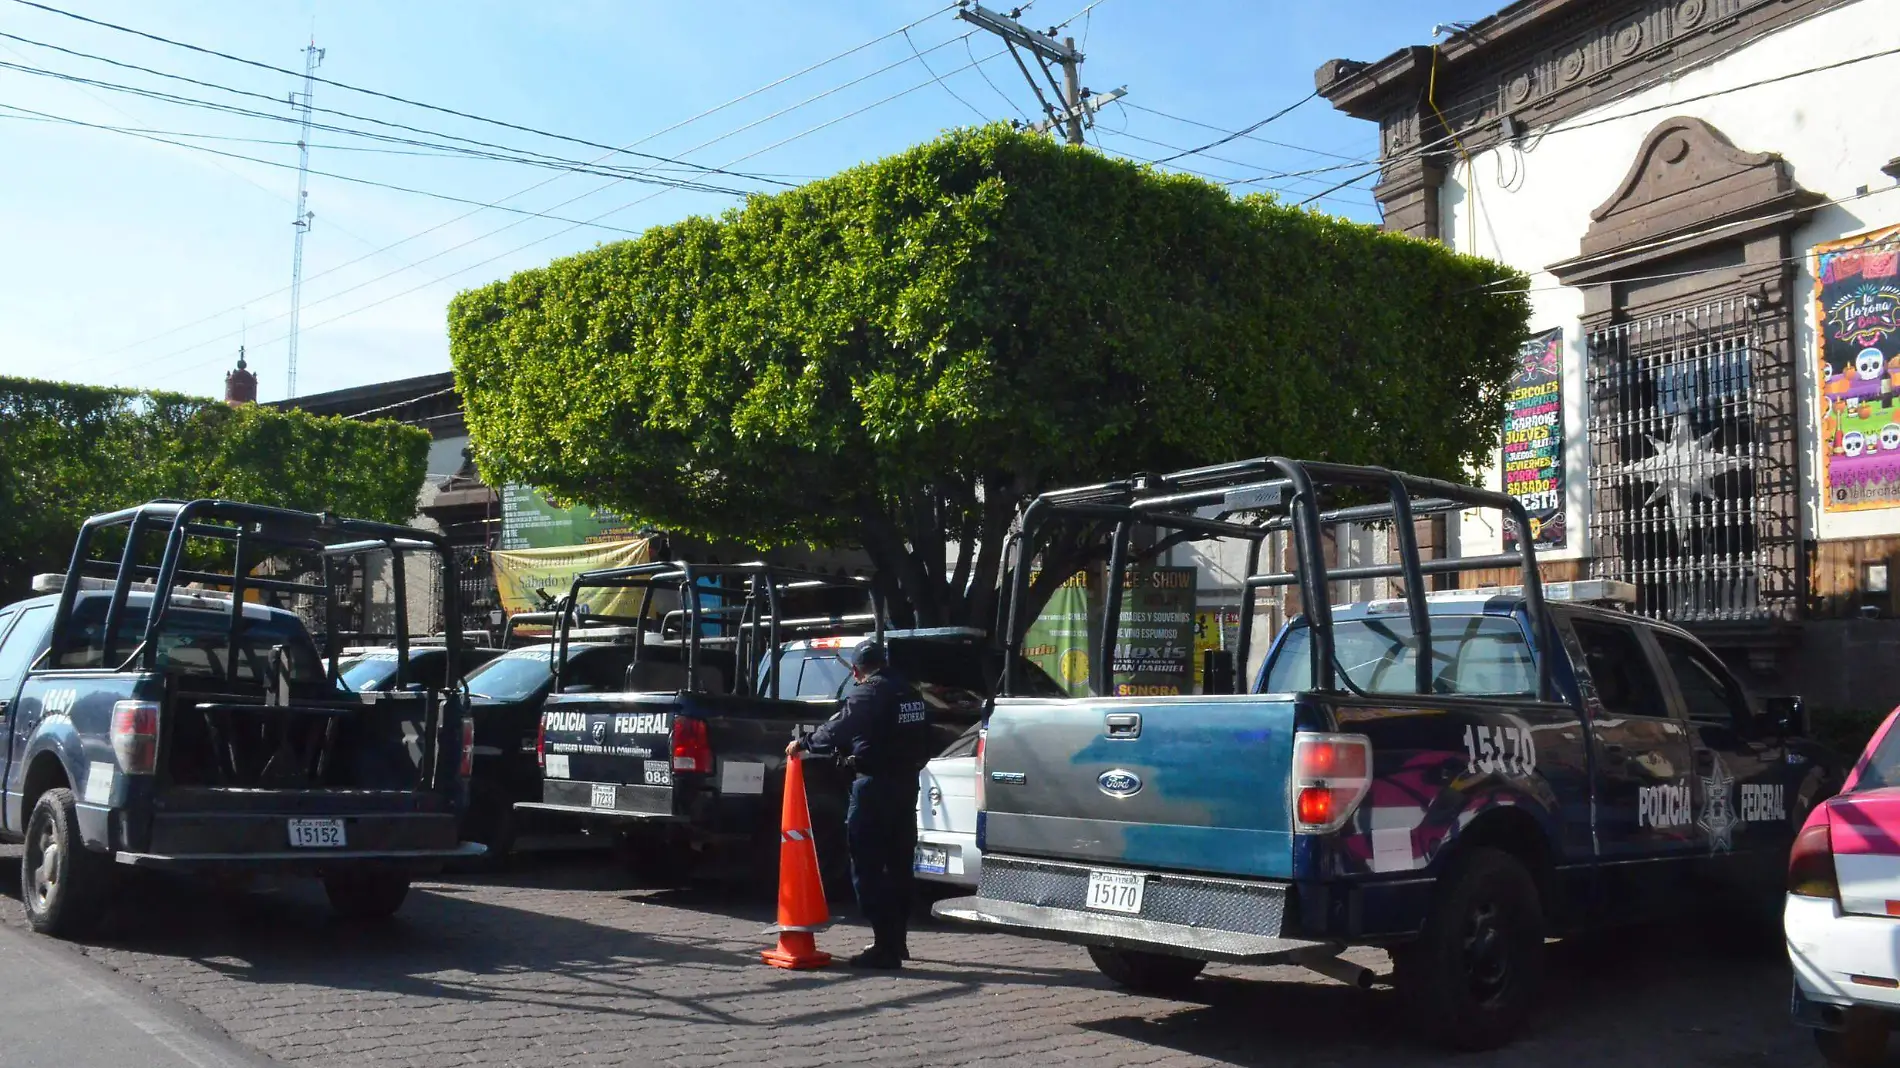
(801, 893)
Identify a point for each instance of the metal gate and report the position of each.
(1693, 472)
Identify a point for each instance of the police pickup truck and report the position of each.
(688, 754)
(1451, 778)
(169, 716)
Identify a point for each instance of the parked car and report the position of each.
(946, 815)
(158, 726)
(506, 695)
(1843, 910)
(372, 669)
(1453, 779)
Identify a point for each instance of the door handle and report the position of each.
(1123, 724)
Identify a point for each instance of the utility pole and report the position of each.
(1075, 108)
(312, 56)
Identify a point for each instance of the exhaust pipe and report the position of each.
(1327, 962)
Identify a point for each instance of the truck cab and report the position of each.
(1451, 777)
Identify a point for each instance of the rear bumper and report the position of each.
(607, 814)
(305, 862)
(1241, 921)
(1119, 932)
(1835, 954)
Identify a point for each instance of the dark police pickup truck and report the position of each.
(155, 725)
(688, 753)
(1453, 779)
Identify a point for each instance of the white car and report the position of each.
(946, 816)
(1843, 912)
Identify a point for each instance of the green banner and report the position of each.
(530, 521)
(1154, 643)
(1058, 641)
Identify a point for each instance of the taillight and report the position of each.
(468, 744)
(135, 736)
(1332, 773)
(981, 738)
(541, 742)
(691, 750)
(1811, 863)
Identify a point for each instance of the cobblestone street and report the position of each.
(571, 963)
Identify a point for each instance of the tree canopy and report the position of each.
(71, 451)
(897, 356)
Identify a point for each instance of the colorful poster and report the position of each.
(1154, 643)
(528, 580)
(531, 521)
(1533, 460)
(1856, 314)
(1058, 641)
(1214, 628)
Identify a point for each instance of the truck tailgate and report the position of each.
(611, 752)
(1193, 784)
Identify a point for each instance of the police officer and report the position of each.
(883, 730)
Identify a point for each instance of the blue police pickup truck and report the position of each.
(1453, 778)
(170, 709)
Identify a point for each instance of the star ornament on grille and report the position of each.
(1682, 468)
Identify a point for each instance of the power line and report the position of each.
(689, 120)
(173, 98)
(548, 237)
(940, 81)
(1244, 131)
(503, 123)
(1248, 136)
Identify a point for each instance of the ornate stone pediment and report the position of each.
(1688, 187)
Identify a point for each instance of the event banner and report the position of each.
(1154, 647)
(531, 521)
(1856, 314)
(1058, 641)
(529, 580)
(1533, 459)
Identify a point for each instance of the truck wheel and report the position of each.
(366, 895)
(1861, 1042)
(63, 884)
(491, 821)
(1472, 977)
(1146, 973)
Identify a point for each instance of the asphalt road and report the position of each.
(574, 964)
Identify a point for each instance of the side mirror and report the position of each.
(1786, 716)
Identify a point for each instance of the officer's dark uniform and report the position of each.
(884, 727)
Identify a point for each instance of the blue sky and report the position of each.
(136, 263)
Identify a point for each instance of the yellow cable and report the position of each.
(1471, 173)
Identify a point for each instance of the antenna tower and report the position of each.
(312, 56)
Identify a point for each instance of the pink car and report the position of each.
(1843, 912)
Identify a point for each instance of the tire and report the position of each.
(493, 822)
(64, 885)
(1146, 973)
(1861, 1043)
(366, 895)
(1472, 978)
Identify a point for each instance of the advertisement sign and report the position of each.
(528, 579)
(1058, 641)
(1856, 314)
(1214, 628)
(530, 521)
(1154, 647)
(1533, 460)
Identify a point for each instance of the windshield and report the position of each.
(514, 675)
(1473, 655)
(369, 672)
(955, 672)
(1883, 764)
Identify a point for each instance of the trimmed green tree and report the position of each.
(71, 451)
(898, 356)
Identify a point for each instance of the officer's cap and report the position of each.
(866, 657)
